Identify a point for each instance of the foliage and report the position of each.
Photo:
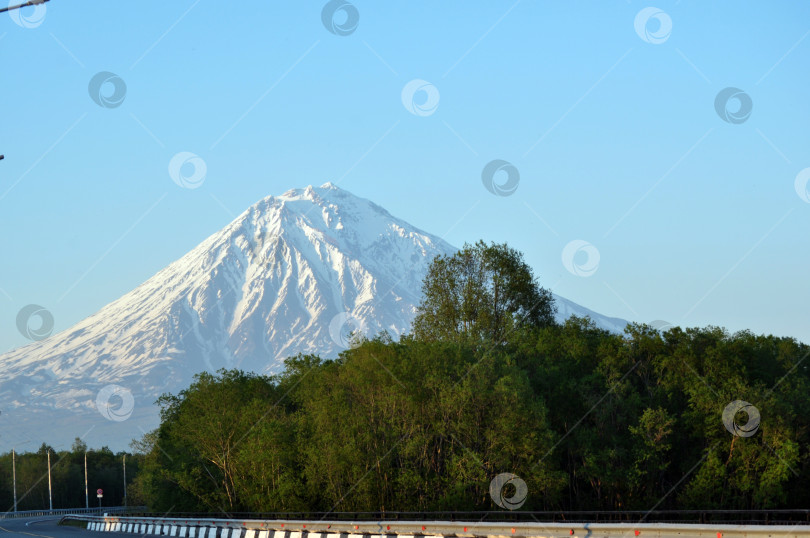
(481, 293)
(589, 419)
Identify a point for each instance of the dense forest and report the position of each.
(488, 383)
(105, 471)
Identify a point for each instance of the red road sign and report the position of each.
(100, 491)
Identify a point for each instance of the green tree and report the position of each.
(482, 292)
(79, 446)
(223, 445)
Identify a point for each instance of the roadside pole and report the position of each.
(14, 464)
(50, 496)
(125, 479)
(24, 4)
(86, 497)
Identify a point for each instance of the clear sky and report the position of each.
(606, 110)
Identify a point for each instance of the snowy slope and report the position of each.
(294, 273)
(566, 309)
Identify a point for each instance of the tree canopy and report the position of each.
(481, 293)
(588, 419)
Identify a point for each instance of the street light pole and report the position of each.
(50, 496)
(14, 460)
(86, 497)
(24, 4)
(14, 463)
(125, 479)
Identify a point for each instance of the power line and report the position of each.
(26, 4)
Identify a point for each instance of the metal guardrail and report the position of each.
(65, 511)
(256, 528)
(726, 517)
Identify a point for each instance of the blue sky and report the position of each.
(616, 139)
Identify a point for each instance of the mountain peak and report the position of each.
(292, 274)
(328, 186)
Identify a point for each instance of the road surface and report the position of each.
(40, 527)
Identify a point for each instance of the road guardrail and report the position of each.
(65, 511)
(244, 528)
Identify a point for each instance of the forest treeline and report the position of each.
(488, 383)
(105, 470)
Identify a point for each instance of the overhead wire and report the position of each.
(26, 4)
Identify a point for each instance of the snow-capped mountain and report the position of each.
(294, 273)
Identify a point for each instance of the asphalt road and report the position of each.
(40, 527)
